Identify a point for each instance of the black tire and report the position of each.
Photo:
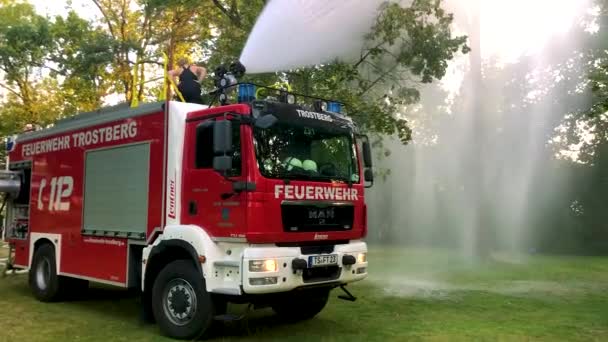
(44, 282)
(301, 305)
(179, 290)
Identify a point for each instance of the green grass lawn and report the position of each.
(410, 295)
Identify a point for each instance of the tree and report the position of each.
(25, 40)
(598, 74)
(593, 117)
(144, 30)
(51, 68)
(82, 56)
(131, 29)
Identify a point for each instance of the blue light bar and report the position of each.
(333, 107)
(10, 144)
(246, 92)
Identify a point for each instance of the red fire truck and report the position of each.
(260, 201)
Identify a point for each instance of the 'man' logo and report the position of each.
(321, 213)
(172, 198)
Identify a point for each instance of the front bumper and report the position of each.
(286, 278)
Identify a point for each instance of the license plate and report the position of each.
(322, 260)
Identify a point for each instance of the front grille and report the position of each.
(322, 249)
(316, 217)
(317, 274)
(312, 243)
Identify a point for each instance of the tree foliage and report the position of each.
(51, 67)
(598, 74)
(26, 39)
(585, 130)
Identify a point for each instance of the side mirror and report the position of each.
(368, 175)
(222, 164)
(367, 153)
(266, 121)
(222, 137)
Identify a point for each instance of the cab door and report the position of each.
(209, 198)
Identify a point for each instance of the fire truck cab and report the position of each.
(258, 202)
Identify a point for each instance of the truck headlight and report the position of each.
(361, 258)
(269, 265)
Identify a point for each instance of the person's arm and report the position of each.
(201, 73)
(174, 74)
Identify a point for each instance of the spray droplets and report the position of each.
(292, 34)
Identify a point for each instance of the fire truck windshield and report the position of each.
(299, 152)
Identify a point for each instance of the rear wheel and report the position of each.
(302, 305)
(181, 304)
(44, 282)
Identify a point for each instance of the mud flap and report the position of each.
(146, 313)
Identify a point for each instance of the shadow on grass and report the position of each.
(92, 294)
(264, 324)
(106, 303)
(100, 300)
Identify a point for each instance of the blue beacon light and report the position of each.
(246, 92)
(333, 107)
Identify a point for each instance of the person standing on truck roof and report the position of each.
(190, 77)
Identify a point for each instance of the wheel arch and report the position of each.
(39, 239)
(190, 242)
(164, 253)
(41, 242)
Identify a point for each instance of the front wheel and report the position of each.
(181, 304)
(302, 305)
